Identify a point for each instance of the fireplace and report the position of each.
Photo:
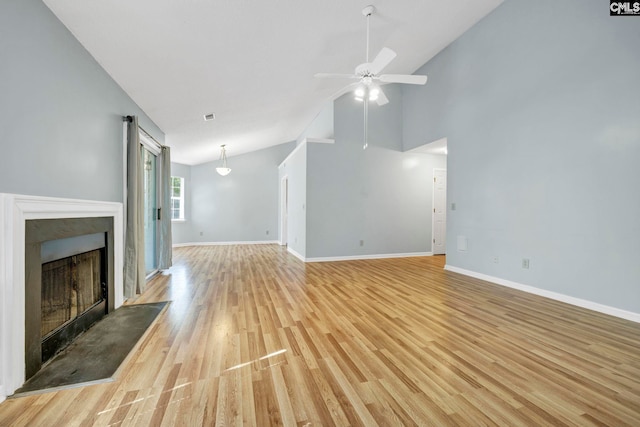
(63, 286)
(23, 224)
(73, 292)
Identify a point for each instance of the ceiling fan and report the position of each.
(368, 75)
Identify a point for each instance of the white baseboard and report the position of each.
(295, 254)
(3, 396)
(302, 258)
(601, 308)
(248, 242)
(361, 257)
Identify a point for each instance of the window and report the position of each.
(177, 198)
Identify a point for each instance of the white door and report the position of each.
(439, 230)
(284, 207)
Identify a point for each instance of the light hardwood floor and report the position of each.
(255, 337)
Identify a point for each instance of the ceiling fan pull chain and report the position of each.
(366, 125)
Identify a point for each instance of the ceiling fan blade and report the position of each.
(335, 76)
(384, 57)
(382, 98)
(403, 78)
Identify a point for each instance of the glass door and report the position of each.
(149, 160)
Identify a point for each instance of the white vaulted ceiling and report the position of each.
(251, 62)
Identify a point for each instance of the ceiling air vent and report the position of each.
(210, 116)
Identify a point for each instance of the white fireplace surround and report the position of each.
(15, 210)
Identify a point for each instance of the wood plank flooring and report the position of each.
(255, 337)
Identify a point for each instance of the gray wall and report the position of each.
(321, 126)
(295, 169)
(242, 206)
(380, 195)
(60, 112)
(181, 230)
(541, 106)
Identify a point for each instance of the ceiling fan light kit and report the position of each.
(368, 74)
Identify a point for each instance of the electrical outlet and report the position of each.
(462, 244)
(202, 233)
(453, 206)
(361, 242)
(525, 263)
(267, 232)
(496, 260)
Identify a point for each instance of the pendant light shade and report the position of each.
(223, 170)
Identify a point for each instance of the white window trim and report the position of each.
(182, 198)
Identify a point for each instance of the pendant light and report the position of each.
(223, 170)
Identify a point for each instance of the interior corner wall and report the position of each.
(60, 112)
(239, 207)
(321, 126)
(181, 230)
(295, 169)
(368, 202)
(540, 103)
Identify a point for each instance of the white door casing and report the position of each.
(284, 207)
(439, 222)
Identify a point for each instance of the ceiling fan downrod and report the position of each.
(368, 11)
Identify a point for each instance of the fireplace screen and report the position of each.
(70, 286)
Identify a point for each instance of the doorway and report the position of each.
(439, 222)
(151, 176)
(150, 211)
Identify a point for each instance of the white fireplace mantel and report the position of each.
(15, 210)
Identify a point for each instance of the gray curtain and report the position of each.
(164, 260)
(134, 275)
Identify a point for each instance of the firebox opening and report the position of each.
(73, 297)
(64, 297)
